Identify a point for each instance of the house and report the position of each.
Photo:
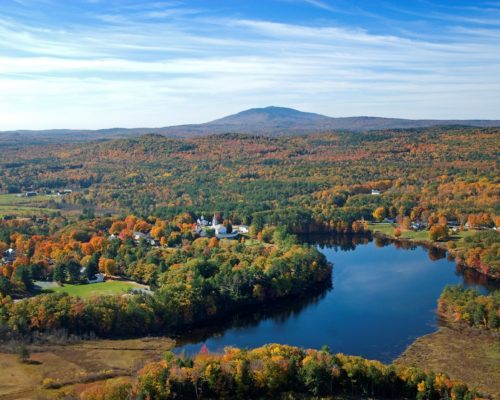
(98, 278)
(31, 194)
(242, 228)
(10, 255)
(138, 236)
(204, 229)
(64, 192)
(418, 225)
(221, 232)
(215, 220)
(375, 192)
(202, 221)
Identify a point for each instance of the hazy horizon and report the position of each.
(223, 116)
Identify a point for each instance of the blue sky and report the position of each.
(131, 63)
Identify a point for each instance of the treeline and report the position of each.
(458, 304)
(280, 371)
(482, 251)
(202, 280)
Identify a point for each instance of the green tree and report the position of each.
(59, 273)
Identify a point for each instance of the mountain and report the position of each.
(280, 120)
(269, 121)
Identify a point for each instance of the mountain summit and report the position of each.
(269, 121)
(271, 114)
(281, 120)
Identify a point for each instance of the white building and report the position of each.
(98, 278)
(202, 221)
(10, 255)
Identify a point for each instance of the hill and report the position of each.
(280, 120)
(268, 121)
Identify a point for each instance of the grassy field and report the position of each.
(388, 229)
(71, 365)
(12, 204)
(104, 288)
(473, 359)
(15, 200)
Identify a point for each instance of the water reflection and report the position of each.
(278, 313)
(384, 296)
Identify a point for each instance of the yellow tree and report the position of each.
(379, 213)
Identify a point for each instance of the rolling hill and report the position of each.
(269, 121)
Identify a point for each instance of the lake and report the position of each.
(383, 296)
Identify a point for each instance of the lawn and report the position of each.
(383, 227)
(89, 290)
(388, 229)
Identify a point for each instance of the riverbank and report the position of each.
(384, 231)
(464, 355)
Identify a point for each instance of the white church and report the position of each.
(220, 230)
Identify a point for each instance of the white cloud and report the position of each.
(133, 72)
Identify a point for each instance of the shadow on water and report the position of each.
(384, 296)
(279, 312)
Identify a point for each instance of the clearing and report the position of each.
(97, 289)
(69, 365)
(473, 359)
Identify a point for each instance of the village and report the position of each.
(202, 228)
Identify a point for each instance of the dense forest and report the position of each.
(433, 179)
(198, 279)
(279, 371)
(321, 181)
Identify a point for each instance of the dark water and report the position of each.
(383, 297)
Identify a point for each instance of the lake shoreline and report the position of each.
(435, 245)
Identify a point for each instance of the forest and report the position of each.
(129, 210)
(433, 179)
(467, 306)
(199, 279)
(279, 371)
(322, 181)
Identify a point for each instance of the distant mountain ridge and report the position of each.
(269, 121)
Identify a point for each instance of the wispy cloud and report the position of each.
(320, 4)
(167, 63)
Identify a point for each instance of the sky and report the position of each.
(91, 64)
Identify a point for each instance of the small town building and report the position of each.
(98, 278)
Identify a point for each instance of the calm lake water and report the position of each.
(382, 298)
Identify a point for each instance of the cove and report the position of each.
(383, 296)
